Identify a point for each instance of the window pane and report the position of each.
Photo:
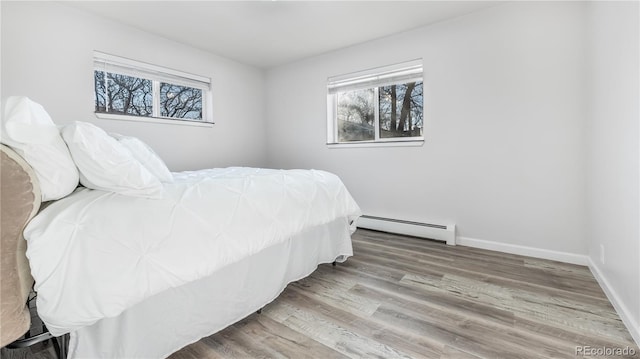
(180, 102)
(356, 116)
(401, 108)
(101, 91)
(128, 95)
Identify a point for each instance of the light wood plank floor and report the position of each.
(403, 297)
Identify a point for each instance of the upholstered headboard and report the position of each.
(19, 201)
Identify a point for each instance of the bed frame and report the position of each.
(20, 200)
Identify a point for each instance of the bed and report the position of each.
(142, 276)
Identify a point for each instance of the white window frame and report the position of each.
(157, 74)
(371, 79)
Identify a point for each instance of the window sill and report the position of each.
(413, 143)
(107, 116)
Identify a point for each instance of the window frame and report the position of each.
(156, 74)
(397, 74)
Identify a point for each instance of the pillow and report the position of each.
(145, 154)
(29, 130)
(107, 165)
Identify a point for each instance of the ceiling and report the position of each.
(271, 33)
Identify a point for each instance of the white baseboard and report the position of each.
(524, 251)
(632, 325)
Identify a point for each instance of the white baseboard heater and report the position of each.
(440, 232)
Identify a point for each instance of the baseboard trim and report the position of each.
(618, 305)
(524, 250)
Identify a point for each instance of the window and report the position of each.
(128, 89)
(382, 105)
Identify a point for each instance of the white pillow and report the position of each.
(145, 154)
(107, 165)
(29, 130)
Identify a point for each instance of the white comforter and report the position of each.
(95, 254)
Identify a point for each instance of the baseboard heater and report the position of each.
(440, 232)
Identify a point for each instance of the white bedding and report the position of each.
(205, 306)
(94, 254)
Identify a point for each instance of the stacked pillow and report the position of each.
(29, 130)
(146, 156)
(106, 164)
(125, 165)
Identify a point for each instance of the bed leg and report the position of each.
(259, 311)
(334, 263)
(56, 347)
(60, 346)
(66, 345)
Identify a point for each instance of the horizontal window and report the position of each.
(130, 88)
(382, 105)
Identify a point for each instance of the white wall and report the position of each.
(47, 53)
(613, 154)
(504, 126)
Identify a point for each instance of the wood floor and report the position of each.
(402, 297)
